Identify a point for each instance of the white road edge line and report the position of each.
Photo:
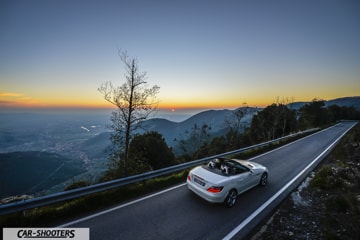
(120, 206)
(270, 200)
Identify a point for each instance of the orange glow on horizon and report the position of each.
(17, 101)
(9, 100)
(106, 105)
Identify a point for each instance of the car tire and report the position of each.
(230, 199)
(263, 179)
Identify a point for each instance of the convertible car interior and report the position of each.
(226, 167)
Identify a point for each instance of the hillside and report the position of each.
(341, 102)
(173, 132)
(33, 172)
(216, 120)
(345, 102)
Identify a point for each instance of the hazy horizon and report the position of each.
(171, 114)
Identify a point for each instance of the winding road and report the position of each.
(176, 213)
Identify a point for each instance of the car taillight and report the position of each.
(188, 177)
(215, 189)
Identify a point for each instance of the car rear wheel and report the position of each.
(230, 199)
(263, 179)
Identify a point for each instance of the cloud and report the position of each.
(11, 99)
(10, 94)
(3, 102)
(7, 104)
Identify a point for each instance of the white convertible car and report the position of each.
(223, 179)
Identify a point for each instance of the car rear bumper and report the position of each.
(208, 196)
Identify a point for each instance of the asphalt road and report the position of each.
(177, 213)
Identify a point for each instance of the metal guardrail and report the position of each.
(79, 192)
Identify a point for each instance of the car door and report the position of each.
(254, 179)
(242, 177)
(243, 181)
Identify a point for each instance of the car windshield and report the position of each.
(224, 166)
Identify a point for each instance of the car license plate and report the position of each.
(198, 181)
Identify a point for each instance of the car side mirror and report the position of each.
(251, 171)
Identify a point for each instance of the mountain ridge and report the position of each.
(173, 132)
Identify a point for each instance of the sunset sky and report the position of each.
(202, 54)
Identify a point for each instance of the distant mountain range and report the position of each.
(215, 119)
(173, 132)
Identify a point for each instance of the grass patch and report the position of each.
(338, 185)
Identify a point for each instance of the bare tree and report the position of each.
(284, 112)
(195, 138)
(135, 101)
(235, 126)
